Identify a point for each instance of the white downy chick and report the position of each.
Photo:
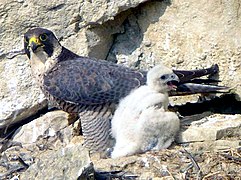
(141, 121)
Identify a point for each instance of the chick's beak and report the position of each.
(173, 82)
(176, 78)
(34, 43)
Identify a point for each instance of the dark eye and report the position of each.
(163, 77)
(43, 37)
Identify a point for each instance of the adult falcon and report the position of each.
(90, 87)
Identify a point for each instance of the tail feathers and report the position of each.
(190, 83)
(185, 76)
(192, 88)
(203, 81)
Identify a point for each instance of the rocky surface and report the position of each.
(19, 96)
(137, 33)
(178, 163)
(51, 125)
(210, 128)
(183, 35)
(65, 163)
(33, 150)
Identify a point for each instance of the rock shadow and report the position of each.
(131, 36)
(225, 104)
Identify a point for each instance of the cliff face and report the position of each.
(186, 34)
(182, 34)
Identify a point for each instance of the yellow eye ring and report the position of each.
(43, 37)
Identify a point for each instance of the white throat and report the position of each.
(41, 63)
(37, 62)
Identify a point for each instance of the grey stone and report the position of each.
(215, 145)
(65, 18)
(211, 128)
(52, 124)
(65, 163)
(19, 97)
(102, 11)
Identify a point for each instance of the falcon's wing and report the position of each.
(87, 81)
(186, 76)
(193, 88)
(190, 84)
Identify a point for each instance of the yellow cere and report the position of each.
(35, 40)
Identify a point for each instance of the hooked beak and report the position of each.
(34, 43)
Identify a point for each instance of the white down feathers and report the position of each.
(142, 121)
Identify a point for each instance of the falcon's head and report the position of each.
(162, 79)
(40, 42)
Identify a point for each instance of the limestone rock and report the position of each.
(53, 124)
(211, 128)
(64, 163)
(15, 159)
(218, 145)
(101, 11)
(182, 36)
(65, 18)
(19, 97)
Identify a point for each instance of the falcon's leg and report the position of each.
(95, 123)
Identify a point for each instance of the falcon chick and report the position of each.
(90, 87)
(141, 121)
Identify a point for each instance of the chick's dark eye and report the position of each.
(43, 37)
(163, 77)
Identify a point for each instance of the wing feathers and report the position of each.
(89, 82)
(192, 88)
(185, 76)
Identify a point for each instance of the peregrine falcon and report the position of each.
(90, 87)
(141, 121)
